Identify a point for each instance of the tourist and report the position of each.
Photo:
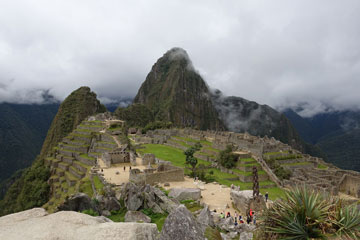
(248, 218)
(236, 223)
(241, 220)
(222, 215)
(102, 170)
(254, 219)
(236, 215)
(266, 196)
(251, 212)
(228, 215)
(124, 168)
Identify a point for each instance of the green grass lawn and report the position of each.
(177, 157)
(275, 153)
(321, 166)
(98, 184)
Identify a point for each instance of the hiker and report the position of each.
(254, 219)
(251, 213)
(102, 170)
(266, 196)
(222, 215)
(236, 215)
(130, 168)
(228, 215)
(124, 168)
(241, 220)
(236, 223)
(248, 218)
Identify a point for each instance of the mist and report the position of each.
(298, 54)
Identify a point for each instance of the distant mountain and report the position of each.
(31, 189)
(175, 92)
(337, 134)
(23, 128)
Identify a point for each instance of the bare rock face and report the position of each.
(243, 200)
(37, 224)
(185, 194)
(137, 197)
(136, 216)
(78, 203)
(205, 218)
(181, 225)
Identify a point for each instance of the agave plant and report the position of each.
(303, 214)
(347, 222)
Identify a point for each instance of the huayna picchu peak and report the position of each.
(175, 92)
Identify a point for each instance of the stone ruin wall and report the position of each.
(350, 185)
(169, 173)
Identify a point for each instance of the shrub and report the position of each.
(227, 158)
(90, 212)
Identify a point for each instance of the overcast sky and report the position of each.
(280, 53)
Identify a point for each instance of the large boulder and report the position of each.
(181, 225)
(205, 218)
(132, 196)
(78, 203)
(36, 224)
(136, 216)
(244, 200)
(185, 193)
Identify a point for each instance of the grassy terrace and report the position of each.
(321, 166)
(181, 143)
(107, 142)
(86, 156)
(261, 172)
(177, 157)
(296, 164)
(80, 135)
(92, 125)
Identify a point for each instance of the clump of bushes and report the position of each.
(156, 125)
(227, 158)
(278, 170)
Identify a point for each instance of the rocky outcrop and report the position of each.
(185, 194)
(136, 216)
(78, 203)
(37, 224)
(205, 218)
(181, 225)
(243, 200)
(138, 197)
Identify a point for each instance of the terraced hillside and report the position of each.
(173, 150)
(71, 161)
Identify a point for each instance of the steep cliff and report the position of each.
(31, 189)
(175, 92)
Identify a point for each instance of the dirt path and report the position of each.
(215, 195)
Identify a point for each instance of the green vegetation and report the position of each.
(156, 125)
(212, 234)
(227, 158)
(135, 115)
(321, 166)
(177, 157)
(86, 186)
(191, 205)
(118, 216)
(156, 218)
(190, 159)
(296, 164)
(306, 214)
(90, 212)
(202, 142)
(98, 184)
(278, 170)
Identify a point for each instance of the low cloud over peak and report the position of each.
(284, 54)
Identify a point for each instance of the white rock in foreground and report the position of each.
(37, 224)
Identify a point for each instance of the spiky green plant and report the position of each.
(347, 222)
(303, 214)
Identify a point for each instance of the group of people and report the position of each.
(250, 217)
(125, 168)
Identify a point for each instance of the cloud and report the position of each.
(281, 53)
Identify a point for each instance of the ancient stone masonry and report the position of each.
(116, 156)
(163, 173)
(305, 168)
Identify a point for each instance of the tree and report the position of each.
(227, 158)
(190, 159)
